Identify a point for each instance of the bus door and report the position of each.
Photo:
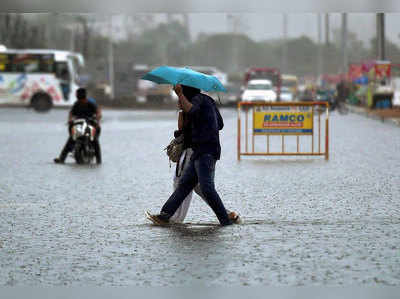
(63, 74)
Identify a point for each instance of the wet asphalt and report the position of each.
(306, 221)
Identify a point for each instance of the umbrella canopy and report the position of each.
(184, 76)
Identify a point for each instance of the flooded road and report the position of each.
(307, 221)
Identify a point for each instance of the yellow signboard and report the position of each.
(283, 122)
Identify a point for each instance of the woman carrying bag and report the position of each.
(184, 130)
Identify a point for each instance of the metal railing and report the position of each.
(300, 120)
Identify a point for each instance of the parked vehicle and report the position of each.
(286, 94)
(290, 84)
(259, 90)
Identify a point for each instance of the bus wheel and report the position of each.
(41, 102)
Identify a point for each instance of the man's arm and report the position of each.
(184, 103)
(98, 114)
(180, 120)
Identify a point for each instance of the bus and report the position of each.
(39, 78)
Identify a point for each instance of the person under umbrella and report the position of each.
(205, 125)
(184, 129)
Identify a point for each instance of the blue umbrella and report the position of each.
(184, 76)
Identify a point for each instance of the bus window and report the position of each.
(5, 62)
(27, 63)
(47, 63)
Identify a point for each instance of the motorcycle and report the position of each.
(83, 132)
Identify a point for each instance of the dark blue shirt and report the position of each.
(205, 121)
(83, 110)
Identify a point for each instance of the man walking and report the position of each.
(206, 122)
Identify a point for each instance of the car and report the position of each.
(286, 94)
(259, 90)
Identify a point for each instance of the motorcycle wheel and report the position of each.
(78, 155)
(86, 159)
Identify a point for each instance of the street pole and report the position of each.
(327, 30)
(111, 58)
(72, 38)
(344, 43)
(319, 61)
(186, 21)
(380, 35)
(233, 22)
(284, 62)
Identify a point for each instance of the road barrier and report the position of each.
(283, 120)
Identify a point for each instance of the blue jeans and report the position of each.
(201, 170)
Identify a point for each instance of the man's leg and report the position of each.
(97, 148)
(185, 186)
(67, 148)
(205, 168)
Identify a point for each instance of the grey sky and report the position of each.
(261, 26)
(197, 6)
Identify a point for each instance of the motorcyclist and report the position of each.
(342, 93)
(83, 108)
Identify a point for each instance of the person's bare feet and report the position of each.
(235, 217)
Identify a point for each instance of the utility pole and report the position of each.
(380, 36)
(284, 62)
(169, 17)
(72, 38)
(234, 21)
(2, 33)
(186, 21)
(344, 43)
(49, 31)
(319, 60)
(327, 30)
(111, 57)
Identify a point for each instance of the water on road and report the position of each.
(307, 221)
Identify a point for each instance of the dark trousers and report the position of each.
(201, 170)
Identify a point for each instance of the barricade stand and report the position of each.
(294, 119)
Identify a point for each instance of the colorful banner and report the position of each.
(382, 70)
(367, 66)
(355, 71)
(284, 121)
